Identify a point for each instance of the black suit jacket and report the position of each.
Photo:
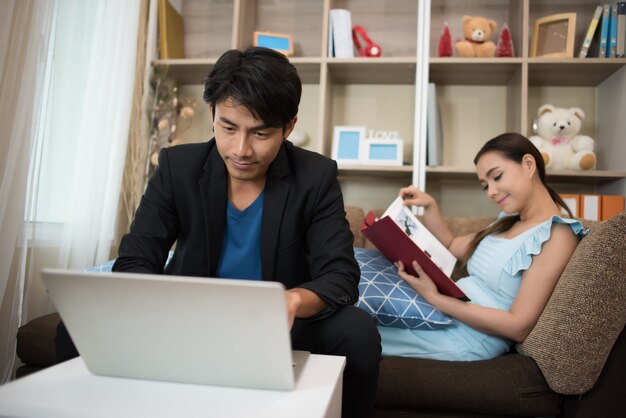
(305, 238)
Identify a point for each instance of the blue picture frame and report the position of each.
(280, 42)
(383, 151)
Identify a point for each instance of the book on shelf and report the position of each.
(171, 32)
(400, 236)
(591, 30)
(604, 30)
(595, 207)
(590, 207)
(340, 44)
(434, 129)
(621, 30)
(573, 203)
(612, 47)
(610, 206)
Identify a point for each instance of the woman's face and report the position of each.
(507, 183)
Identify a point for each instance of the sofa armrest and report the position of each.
(586, 312)
(606, 398)
(35, 340)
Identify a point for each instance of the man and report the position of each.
(250, 205)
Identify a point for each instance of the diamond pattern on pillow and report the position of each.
(389, 299)
(101, 268)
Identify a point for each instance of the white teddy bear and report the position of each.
(558, 141)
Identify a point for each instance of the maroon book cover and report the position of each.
(396, 245)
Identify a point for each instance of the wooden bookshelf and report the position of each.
(479, 97)
(482, 97)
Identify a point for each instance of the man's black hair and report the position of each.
(261, 79)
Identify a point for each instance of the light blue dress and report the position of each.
(495, 274)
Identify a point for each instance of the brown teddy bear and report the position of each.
(477, 43)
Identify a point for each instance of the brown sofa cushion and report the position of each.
(355, 216)
(35, 340)
(586, 313)
(507, 385)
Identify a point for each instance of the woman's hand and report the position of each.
(414, 196)
(423, 284)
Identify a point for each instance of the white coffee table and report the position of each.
(69, 390)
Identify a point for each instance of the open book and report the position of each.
(400, 236)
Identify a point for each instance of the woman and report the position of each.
(513, 264)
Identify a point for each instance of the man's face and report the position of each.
(247, 145)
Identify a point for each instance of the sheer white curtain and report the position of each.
(98, 43)
(65, 96)
(25, 37)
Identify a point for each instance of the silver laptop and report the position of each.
(180, 329)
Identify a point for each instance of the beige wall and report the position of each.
(470, 116)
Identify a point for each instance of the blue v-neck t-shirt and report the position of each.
(241, 248)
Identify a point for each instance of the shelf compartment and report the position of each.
(365, 170)
(557, 176)
(452, 11)
(572, 71)
(584, 10)
(187, 70)
(302, 19)
(195, 71)
(473, 71)
(392, 24)
(372, 70)
(378, 107)
(207, 20)
(368, 168)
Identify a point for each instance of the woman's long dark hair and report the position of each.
(513, 147)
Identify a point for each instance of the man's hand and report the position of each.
(302, 303)
(294, 300)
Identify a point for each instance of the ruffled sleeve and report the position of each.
(522, 259)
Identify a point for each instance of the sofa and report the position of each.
(573, 363)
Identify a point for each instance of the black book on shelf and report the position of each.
(592, 29)
(621, 30)
(594, 46)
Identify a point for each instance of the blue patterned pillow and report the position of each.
(101, 268)
(389, 299)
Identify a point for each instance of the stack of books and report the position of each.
(608, 29)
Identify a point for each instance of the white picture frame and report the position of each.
(348, 144)
(383, 151)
